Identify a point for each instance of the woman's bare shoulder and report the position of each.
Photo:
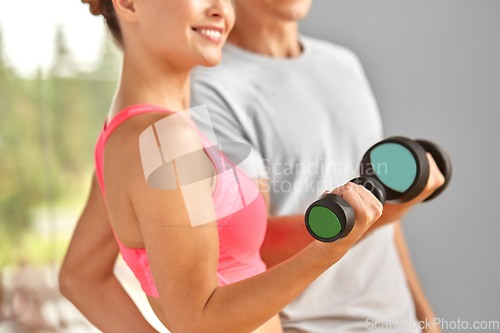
(142, 144)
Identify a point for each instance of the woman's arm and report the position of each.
(184, 259)
(86, 277)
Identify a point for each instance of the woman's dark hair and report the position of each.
(109, 13)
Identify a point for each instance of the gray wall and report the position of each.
(434, 67)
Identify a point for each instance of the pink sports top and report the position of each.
(241, 223)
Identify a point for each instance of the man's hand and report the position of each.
(393, 212)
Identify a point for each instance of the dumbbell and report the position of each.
(331, 218)
(394, 170)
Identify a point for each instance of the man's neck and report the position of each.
(278, 39)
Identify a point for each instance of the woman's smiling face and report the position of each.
(186, 32)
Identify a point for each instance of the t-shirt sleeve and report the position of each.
(358, 67)
(226, 119)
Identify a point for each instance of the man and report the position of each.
(307, 111)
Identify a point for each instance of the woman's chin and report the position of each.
(210, 59)
(211, 63)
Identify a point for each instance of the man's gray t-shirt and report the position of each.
(309, 120)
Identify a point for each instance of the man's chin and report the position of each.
(294, 12)
(295, 15)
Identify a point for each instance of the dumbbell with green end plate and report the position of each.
(395, 169)
(331, 218)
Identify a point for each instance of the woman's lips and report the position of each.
(213, 34)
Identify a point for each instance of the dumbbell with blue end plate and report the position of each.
(395, 170)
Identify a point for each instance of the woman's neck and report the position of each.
(149, 80)
(271, 37)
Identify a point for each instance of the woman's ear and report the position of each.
(126, 9)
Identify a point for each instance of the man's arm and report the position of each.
(287, 235)
(422, 306)
(86, 277)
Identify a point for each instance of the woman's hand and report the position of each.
(367, 209)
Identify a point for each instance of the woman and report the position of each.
(205, 278)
